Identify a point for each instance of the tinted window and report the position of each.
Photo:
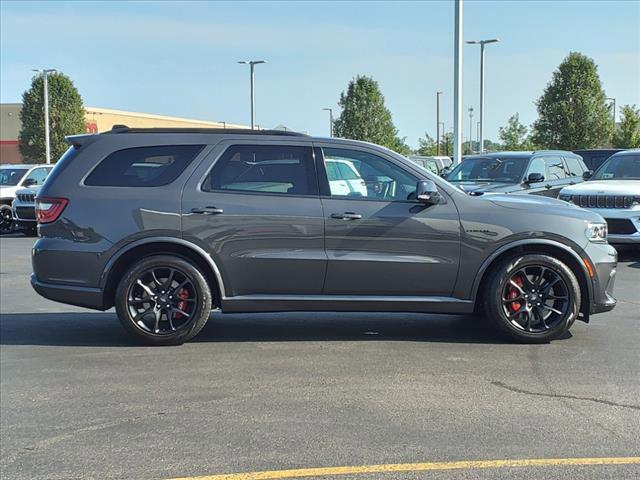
(489, 169)
(575, 169)
(264, 169)
(143, 166)
(620, 167)
(11, 176)
(37, 176)
(555, 168)
(537, 166)
(368, 176)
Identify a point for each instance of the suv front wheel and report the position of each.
(534, 298)
(163, 300)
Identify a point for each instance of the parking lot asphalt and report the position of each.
(282, 391)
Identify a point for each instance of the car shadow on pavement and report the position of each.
(103, 329)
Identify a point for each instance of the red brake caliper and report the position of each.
(514, 293)
(182, 304)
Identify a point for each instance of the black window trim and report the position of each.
(204, 151)
(226, 145)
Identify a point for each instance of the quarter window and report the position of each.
(143, 166)
(269, 169)
(361, 174)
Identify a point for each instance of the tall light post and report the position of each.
(482, 43)
(470, 129)
(438, 122)
(252, 64)
(613, 100)
(330, 110)
(47, 142)
(457, 83)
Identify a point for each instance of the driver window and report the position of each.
(36, 177)
(353, 173)
(537, 166)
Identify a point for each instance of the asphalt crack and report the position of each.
(570, 397)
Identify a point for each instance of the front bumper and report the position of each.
(604, 259)
(624, 223)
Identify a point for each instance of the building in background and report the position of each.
(96, 120)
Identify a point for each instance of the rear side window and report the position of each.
(575, 169)
(555, 168)
(270, 169)
(143, 166)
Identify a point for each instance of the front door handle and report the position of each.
(346, 216)
(207, 210)
(547, 186)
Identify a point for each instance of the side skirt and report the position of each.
(345, 303)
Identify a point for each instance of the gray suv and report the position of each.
(168, 224)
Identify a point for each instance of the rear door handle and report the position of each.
(346, 216)
(207, 210)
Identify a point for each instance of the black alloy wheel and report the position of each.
(163, 300)
(6, 219)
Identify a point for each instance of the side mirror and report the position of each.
(427, 192)
(444, 172)
(29, 181)
(534, 177)
(587, 175)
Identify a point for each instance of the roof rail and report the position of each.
(243, 131)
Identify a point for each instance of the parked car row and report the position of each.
(19, 185)
(613, 190)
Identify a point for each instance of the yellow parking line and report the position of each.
(417, 467)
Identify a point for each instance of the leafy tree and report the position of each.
(627, 135)
(572, 110)
(426, 146)
(490, 146)
(446, 144)
(514, 135)
(365, 117)
(66, 117)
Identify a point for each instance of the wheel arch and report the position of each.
(122, 260)
(558, 250)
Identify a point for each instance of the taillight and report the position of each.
(49, 209)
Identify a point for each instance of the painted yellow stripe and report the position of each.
(416, 467)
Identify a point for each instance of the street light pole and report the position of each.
(252, 64)
(47, 142)
(330, 110)
(470, 129)
(438, 122)
(457, 83)
(482, 43)
(614, 111)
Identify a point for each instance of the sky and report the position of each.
(180, 58)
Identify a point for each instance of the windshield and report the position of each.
(489, 169)
(620, 167)
(11, 176)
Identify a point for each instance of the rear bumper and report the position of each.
(70, 294)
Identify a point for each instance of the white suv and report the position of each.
(613, 191)
(12, 178)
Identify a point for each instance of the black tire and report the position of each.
(516, 311)
(6, 219)
(192, 317)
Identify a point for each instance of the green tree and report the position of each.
(365, 117)
(572, 111)
(426, 146)
(514, 135)
(66, 117)
(627, 134)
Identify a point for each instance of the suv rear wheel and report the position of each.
(163, 300)
(534, 298)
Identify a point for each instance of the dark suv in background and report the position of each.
(168, 224)
(540, 173)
